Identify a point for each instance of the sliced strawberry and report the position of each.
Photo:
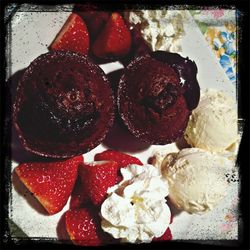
(166, 236)
(82, 227)
(114, 40)
(121, 158)
(73, 36)
(79, 196)
(94, 18)
(97, 177)
(52, 182)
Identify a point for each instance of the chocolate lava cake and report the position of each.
(156, 95)
(64, 105)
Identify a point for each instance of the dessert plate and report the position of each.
(30, 32)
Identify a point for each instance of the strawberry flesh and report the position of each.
(73, 36)
(166, 236)
(94, 18)
(97, 177)
(114, 40)
(50, 182)
(79, 196)
(121, 158)
(82, 227)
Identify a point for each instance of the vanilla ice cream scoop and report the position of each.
(213, 124)
(196, 178)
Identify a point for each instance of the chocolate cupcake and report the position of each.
(64, 105)
(154, 96)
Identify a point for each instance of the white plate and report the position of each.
(29, 35)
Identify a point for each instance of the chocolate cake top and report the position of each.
(64, 105)
(152, 98)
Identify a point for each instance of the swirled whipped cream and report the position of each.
(136, 210)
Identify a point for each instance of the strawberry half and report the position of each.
(52, 182)
(81, 225)
(79, 195)
(166, 236)
(73, 36)
(114, 40)
(97, 177)
(121, 158)
(94, 18)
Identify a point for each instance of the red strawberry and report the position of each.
(52, 182)
(121, 158)
(82, 227)
(166, 236)
(114, 40)
(97, 177)
(79, 195)
(94, 18)
(140, 46)
(73, 36)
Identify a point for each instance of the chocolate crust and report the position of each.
(187, 71)
(64, 105)
(151, 100)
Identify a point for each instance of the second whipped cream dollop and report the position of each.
(161, 29)
(136, 209)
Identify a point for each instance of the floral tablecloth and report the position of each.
(219, 29)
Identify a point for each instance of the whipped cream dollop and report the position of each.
(161, 29)
(136, 210)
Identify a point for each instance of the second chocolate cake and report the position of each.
(154, 96)
(64, 105)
